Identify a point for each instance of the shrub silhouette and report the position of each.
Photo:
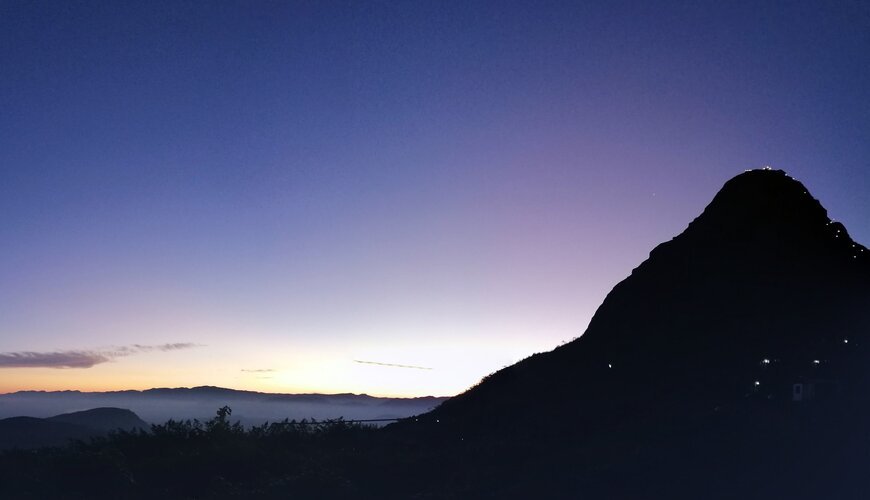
(194, 459)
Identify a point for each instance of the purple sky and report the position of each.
(285, 187)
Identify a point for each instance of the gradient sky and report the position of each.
(258, 195)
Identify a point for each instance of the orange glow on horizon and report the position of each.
(451, 369)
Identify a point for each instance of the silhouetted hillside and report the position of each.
(103, 419)
(739, 348)
(30, 432)
(759, 292)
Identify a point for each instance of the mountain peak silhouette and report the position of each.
(761, 291)
(732, 363)
(763, 219)
(769, 197)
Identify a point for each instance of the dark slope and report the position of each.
(682, 384)
(103, 419)
(31, 432)
(762, 274)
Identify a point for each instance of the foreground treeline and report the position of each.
(755, 449)
(192, 459)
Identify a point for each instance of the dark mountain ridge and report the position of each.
(693, 363)
(209, 390)
(756, 290)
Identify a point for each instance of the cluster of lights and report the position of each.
(768, 361)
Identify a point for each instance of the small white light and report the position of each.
(815, 361)
(609, 365)
(765, 361)
(845, 341)
(757, 383)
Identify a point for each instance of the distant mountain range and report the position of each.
(31, 432)
(249, 407)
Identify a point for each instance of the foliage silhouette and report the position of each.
(192, 459)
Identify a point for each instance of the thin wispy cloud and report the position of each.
(57, 359)
(166, 347)
(390, 364)
(137, 348)
(81, 358)
(258, 370)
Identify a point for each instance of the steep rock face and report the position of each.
(761, 291)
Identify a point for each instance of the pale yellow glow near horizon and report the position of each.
(331, 369)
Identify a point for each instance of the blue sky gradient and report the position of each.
(295, 185)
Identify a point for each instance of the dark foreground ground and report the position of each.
(753, 449)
